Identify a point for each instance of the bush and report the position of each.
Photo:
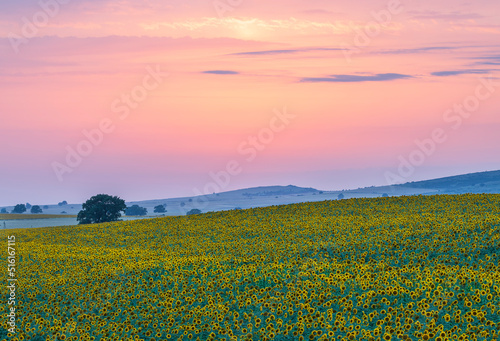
(101, 208)
(19, 208)
(136, 210)
(160, 209)
(193, 211)
(36, 209)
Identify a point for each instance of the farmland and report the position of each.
(397, 268)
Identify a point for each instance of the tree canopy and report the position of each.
(19, 208)
(101, 208)
(136, 210)
(193, 211)
(160, 209)
(36, 209)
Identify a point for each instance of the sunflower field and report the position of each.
(396, 268)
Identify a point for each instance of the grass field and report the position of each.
(398, 268)
(11, 216)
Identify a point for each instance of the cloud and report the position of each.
(492, 57)
(488, 60)
(419, 49)
(221, 72)
(381, 77)
(460, 72)
(238, 24)
(271, 52)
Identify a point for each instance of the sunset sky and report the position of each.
(351, 86)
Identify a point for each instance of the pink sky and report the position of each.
(358, 100)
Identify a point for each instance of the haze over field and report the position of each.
(483, 182)
(163, 99)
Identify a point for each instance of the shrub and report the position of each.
(193, 211)
(136, 210)
(160, 209)
(19, 208)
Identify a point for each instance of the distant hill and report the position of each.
(271, 190)
(483, 182)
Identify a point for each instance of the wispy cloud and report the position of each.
(488, 60)
(381, 77)
(300, 26)
(419, 49)
(221, 72)
(460, 72)
(287, 51)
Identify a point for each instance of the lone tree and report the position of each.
(36, 209)
(160, 209)
(101, 208)
(193, 211)
(19, 208)
(385, 195)
(341, 196)
(136, 210)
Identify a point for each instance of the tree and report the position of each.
(62, 203)
(36, 209)
(160, 209)
(341, 196)
(45, 207)
(28, 205)
(101, 208)
(193, 211)
(136, 210)
(385, 195)
(19, 208)
(4, 210)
